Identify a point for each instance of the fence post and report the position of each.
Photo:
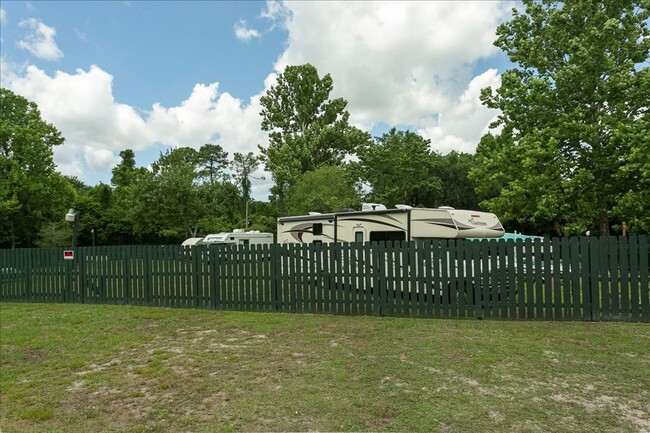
(146, 258)
(585, 279)
(197, 251)
(82, 278)
(594, 270)
(643, 267)
(69, 275)
(28, 280)
(127, 253)
(275, 251)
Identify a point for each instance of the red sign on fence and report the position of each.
(68, 255)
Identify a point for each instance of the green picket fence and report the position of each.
(555, 279)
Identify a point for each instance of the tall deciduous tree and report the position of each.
(307, 130)
(169, 204)
(574, 115)
(325, 189)
(31, 191)
(400, 168)
(457, 189)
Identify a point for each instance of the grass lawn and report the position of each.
(99, 368)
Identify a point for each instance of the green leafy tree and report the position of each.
(169, 205)
(457, 189)
(212, 163)
(400, 168)
(574, 116)
(244, 166)
(32, 193)
(117, 224)
(325, 189)
(125, 172)
(54, 235)
(96, 208)
(307, 130)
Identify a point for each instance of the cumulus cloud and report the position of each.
(96, 127)
(400, 63)
(39, 40)
(3, 16)
(465, 120)
(244, 33)
(276, 12)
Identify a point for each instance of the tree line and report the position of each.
(571, 153)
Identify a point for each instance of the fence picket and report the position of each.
(603, 264)
(556, 269)
(643, 278)
(634, 279)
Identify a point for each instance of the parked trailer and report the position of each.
(238, 237)
(376, 223)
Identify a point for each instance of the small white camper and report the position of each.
(239, 237)
(190, 242)
(376, 223)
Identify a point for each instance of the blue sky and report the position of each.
(154, 75)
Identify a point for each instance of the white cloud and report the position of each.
(100, 159)
(465, 121)
(97, 128)
(39, 40)
(244, 33)
(401, 63)
(81, 34)
(3, 16)
(276, 12)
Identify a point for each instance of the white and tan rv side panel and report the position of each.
(306, 231)
(371, 226)
(454, 223)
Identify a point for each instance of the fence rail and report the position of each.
(556, 279)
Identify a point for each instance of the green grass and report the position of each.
(91, 368)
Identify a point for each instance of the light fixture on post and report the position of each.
(73, 217)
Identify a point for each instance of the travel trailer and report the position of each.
(376, 223)
(190, 242)
(238, 237)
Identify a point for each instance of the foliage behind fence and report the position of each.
(558, 279)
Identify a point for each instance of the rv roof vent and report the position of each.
(372, 206)
(315, 213)
(403, 206)
(238, 231)
(446, 207)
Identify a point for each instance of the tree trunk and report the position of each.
(603, 222)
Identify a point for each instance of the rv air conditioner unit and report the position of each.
(372, 206)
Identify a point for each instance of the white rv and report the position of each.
(239, 237)
(376, 223)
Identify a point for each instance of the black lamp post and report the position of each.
(73, 217)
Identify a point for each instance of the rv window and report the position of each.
(245, 241)
(358, 236)
(387, 236)
(317, 229)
